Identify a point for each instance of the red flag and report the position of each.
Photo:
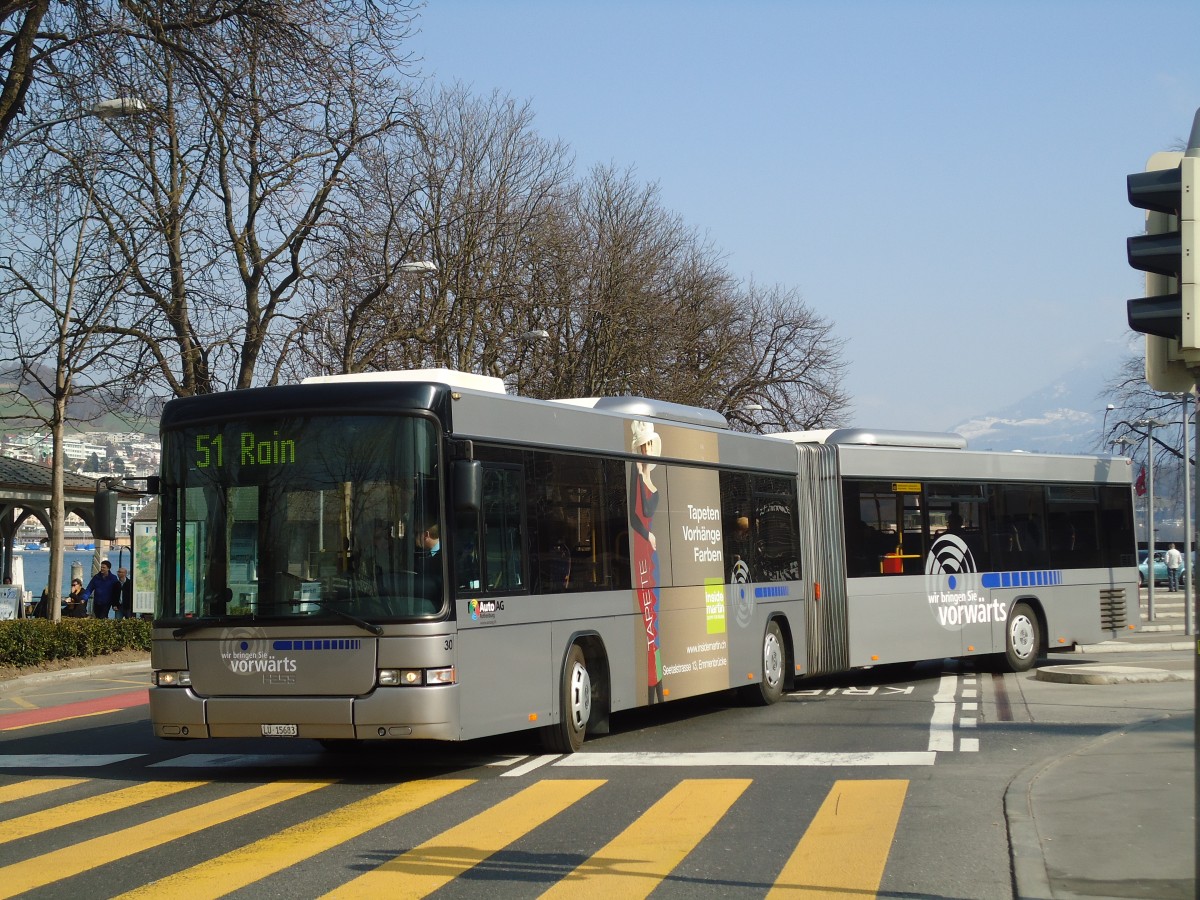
(1140, 485)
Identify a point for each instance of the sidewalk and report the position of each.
(1115, 818)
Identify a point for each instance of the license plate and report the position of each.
(279, 731)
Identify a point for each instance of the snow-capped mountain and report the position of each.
(1065, 416)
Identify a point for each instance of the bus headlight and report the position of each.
(415, 677)
(181, 678)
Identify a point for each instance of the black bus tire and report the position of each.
(574, 706)
(1022, 639)
(769, 688)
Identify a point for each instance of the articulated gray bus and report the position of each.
(420, 555)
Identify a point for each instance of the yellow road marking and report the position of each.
(35, 786)
(440, 860)
(22, 702)
(844, 850)
(89, 807)
(115, 846)
(634, 862)
(246, 865)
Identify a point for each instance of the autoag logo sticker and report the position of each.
(484, 610)
(247, 651)
(952, 583)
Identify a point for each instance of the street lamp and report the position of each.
(419, 267)
(1122, 442)
(104, 110)
(1150, 424)
(118, 107)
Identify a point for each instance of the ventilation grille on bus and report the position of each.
(1112, 609)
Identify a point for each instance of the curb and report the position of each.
(1031, 880)
(17, 684)
(1090, 673)
(1122, 647)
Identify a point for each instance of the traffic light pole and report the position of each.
(1169, 315)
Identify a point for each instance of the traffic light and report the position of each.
(1169, 313)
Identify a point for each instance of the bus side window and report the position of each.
(503, 539)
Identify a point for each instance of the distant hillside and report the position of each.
(83, 413)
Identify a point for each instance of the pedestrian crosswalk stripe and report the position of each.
(440, 860)
(35, 786)
(634, 862)
(274, 853)
(90, 807)
(845, 848)
(843, 851)
(115, 846)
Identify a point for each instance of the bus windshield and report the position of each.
(301, 518)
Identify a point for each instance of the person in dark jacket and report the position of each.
(103, 590)
(123, 605)
(76, 601)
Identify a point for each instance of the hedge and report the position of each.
(31, 642)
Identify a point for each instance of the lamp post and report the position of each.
(531, 338)
(105, 110)
(1104, 422)
(1150, 424)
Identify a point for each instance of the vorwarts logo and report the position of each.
(950, 579)
(246, 651)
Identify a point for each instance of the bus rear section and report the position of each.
(957, 553)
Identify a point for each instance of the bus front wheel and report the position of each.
(575, 706)
(1023, 638)
(770, 686)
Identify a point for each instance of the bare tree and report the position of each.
(46, 45)
(559, 288)
(471, 187)
(1126, 433)
(216, 205)
(57, 283)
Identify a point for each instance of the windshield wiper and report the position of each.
(192, 624)
(376, 630)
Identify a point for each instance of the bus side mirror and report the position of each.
(104, 514)
(468, 486)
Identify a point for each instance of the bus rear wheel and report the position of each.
(575, 706)
(770, 686)
(1022, 639)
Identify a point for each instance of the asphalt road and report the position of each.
(885, 783)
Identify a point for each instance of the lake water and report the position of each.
(37, 566)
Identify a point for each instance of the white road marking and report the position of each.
(535, 763)
(750, 758)
(63, 760)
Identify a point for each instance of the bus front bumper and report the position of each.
(399, 713)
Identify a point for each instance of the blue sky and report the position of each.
(944, 181)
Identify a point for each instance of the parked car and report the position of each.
(1160, 567)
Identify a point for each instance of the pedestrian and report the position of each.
(1174, 560)
(103, 590)
(76, 601)
(123, 606)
